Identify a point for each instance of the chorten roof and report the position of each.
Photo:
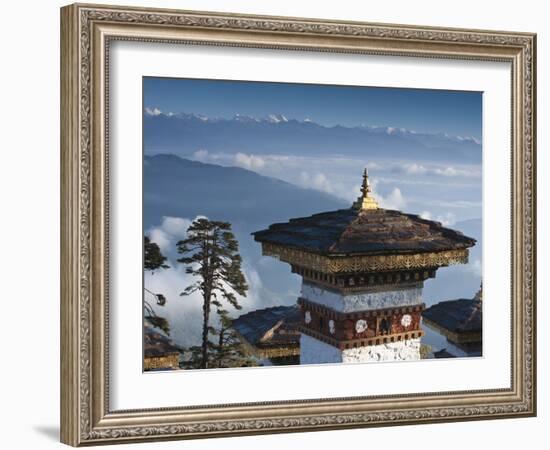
(356, 231)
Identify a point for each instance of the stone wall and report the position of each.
(313, 351)
(408, 350)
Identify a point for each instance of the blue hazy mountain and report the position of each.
(183, 134)
(178, 187)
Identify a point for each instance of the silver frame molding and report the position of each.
(86, 31)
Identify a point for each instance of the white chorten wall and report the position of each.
(363, 301)
(313, 351)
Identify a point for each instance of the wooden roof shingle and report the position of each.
(364, 232)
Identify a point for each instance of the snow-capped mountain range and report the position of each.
(280, 118)
(270, 118)
(183, 133)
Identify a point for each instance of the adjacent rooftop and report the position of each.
(270, 332)
(459, 320)
(157, 344)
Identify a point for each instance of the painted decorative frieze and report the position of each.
(361, 301)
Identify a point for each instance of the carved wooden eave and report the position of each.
(264, 350)
(364, 263)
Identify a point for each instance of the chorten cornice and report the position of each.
(361, 263)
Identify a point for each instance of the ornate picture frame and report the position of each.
(86, 34)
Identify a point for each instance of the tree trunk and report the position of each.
(206, 315)
(220, 346)
(206, 298)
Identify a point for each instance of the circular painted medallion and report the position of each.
(406, 320)
(361, 325)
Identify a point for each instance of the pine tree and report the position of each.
(228, 350)
(153, 259)
(211, 254)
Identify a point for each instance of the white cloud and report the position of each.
(159, 237)
(204, 155)
(437, 170)
(171, 230)
(447, 219)
(340, 176)
(176, 226)
(201, 155)
(415, 169)
(394, 200)
(183, 313)
(447, 172)
(250, 162)
(372, 165)
(456, 172)
(244, 160)
(318, 181)
(426, 215)
(457, 204)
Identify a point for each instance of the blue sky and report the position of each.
(423, 110)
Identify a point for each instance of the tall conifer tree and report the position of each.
(210, 253)
(153, 260)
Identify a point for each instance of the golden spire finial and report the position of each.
(365, 201)
(365, 189)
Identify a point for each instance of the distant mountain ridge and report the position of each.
(180, 187)
(185, 133)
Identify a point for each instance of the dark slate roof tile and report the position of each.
(255, 324)
(353, 231)
(157, 344)
(462, 315)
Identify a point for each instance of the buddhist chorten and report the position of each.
(363, 270)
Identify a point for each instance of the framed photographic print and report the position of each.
(275, 224)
